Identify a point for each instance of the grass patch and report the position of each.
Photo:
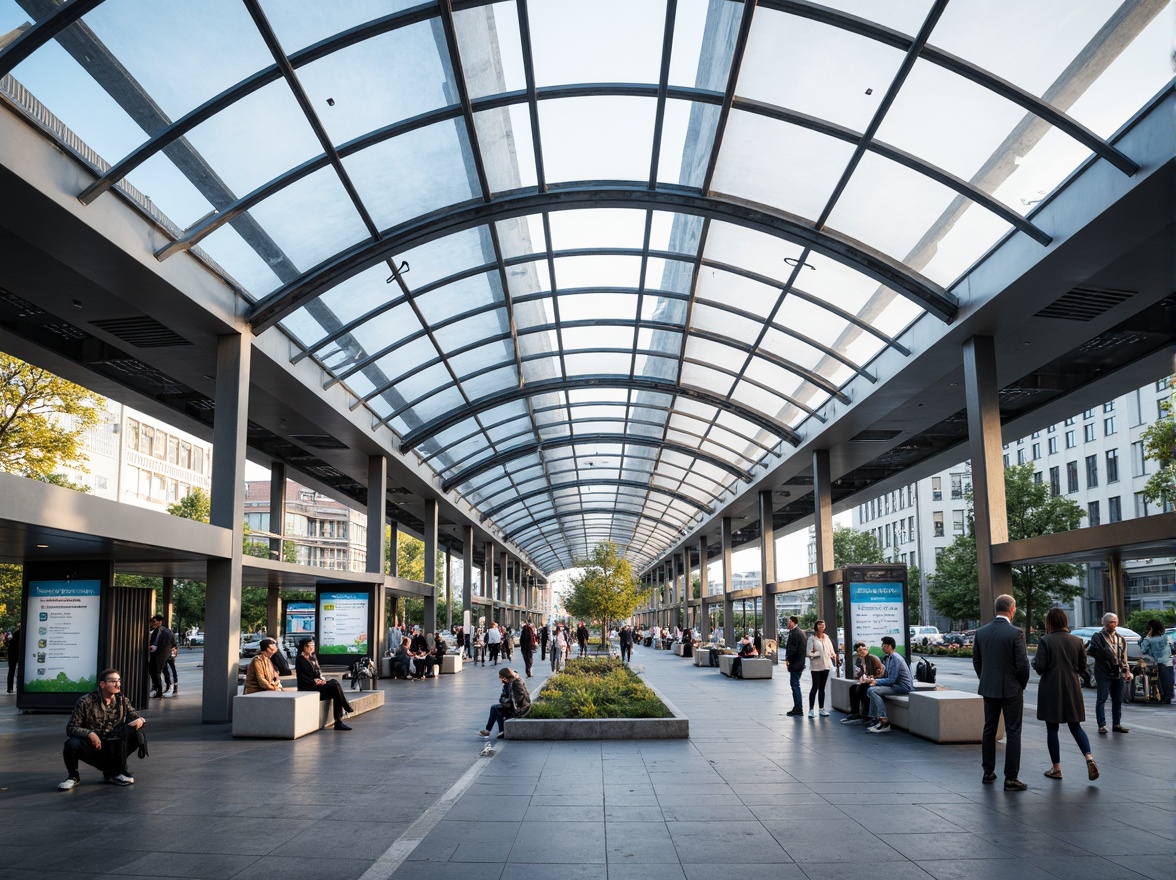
(597, 689)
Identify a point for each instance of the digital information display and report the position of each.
(344, 619)
(876, 610)
(300, 618)
(61, 637)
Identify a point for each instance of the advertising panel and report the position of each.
(300, 619)
(876, 610)
(343, 618)
(61, 637)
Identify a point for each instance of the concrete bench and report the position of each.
(679, 649)
(291, 714)
(702, 657)
(839, 691)
(752, 667)
(450, 664)
(948, 716)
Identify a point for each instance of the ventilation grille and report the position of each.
(874, 436)
(1085, 304)
(141, 332)
(318, 441)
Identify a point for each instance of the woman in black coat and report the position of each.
(1059, 661)
(310, 678)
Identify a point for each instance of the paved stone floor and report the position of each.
(751, 793)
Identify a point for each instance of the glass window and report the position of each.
(1070, 421)
(937, 523)
(1114, 509)
(1088, 433)
(957, 522)
(1138, 460)
(1091, 471)
(1109, 426)
(937, 487)
(1140, 505)
(1038, 477)
(1089, 414)
(1071, 476)
(1036, 451)
(957, 485)
(1112, 465)
(1006, 460)
(1070, 442)
(1055, 481)
(1092, 514)
(173, 450)
(1109, 407)
(1020, 460)
(1052, 445)
(198, 459)
(146, 439)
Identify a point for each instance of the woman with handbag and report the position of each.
(822, 658)
(513, 702)
(1059, 659)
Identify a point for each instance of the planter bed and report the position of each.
(677, 727)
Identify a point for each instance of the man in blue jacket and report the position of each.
(895, 680)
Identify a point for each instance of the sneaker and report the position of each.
(68, 784)
(824, 713)
(483, 733)
(851, 719)
(879, 728)
(339, 725)
(501, 736)
(123, 779)
(812, 714)
(1102, 729)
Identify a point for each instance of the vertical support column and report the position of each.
(1113, 598)
(823, 519)
(377, 492)
(273, 613)
(222, 605)
(467, 570)
(726, 547)
(504, 586)
(703, 619)
(277, 510)
(988, 489)
(432, 522)
(167, 601)
(488, 588)
(767, 563)
(449, 588)
(687, 588)
(393, 570)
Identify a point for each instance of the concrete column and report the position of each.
(1113, 598)
(488, 586)
(703, 619)
(449, 588)
(167, 601)
(222, 606)
(767, 563)
(988, 489)
(467, 570)
(823, 518)
(277, 509)
(687, 588)
(432, 522)
(273, 613)
(377, 486)
(394, 550)
(728, 577)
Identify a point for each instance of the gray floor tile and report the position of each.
(716, 842)
(561, 842)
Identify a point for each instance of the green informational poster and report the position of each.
(61, 637)
(344, 623)
(876, 610)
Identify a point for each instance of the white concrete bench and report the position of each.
(292, 714)
(839, 691)
(451, 664)
(948, 716)
(751, 668)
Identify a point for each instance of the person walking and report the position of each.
(1155, 645)
(1000, 660)
(493, 643)
(625, 637)
(479, 646)
(559, 648)
(159, 642)
(582, 638)
(544, 636)
(822, 657)
(14, 660)
(528, 640)
(795, 649)
(1059, 661)
(1111, 672)
(507, 644)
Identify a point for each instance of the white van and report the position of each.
(926, 635)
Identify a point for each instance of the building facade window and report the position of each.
(1140, 504)
(1052, 445)
(937, 485)
(1038, 477)
(1070, 442)
(1138, 460)
(1112, 465)
(1109, 406)
(1020, 460)
(1109, 426)
(957, 522)
(1055, 481)
(1071, 477)
(1092, 514)
(937, 524)
(1114, 509)
(1091, 471)
(957, 482)
(1088, 433)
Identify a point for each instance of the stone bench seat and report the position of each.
(752, 667)
(290, 714)
(930, 712)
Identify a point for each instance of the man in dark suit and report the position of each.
(795, 650)
(999, 657)
(159, 644)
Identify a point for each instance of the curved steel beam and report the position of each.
(611, 194)
(516, 452)
(625, 484)
(42, 32)
(516, 538)
(551, 386)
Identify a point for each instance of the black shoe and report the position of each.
(339, 725)
(501, 736)
(989, 778)
(156, 695)
(796, 712)
(1015, 785)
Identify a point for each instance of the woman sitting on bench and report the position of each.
(310, 678)
(513, 702)
(746, 649)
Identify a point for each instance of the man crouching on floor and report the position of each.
(101, 732)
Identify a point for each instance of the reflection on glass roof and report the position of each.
(594, 263)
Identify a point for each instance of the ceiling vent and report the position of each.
(873, 436)
(1085, 304)
(318, 441)
(141, 332)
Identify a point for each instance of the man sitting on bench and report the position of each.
(865, 665)
(896, 680)
(746, 649)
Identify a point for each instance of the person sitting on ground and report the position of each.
(310, 678)
(513, 702)
(865, 666)
(746, 649)
(402, 661)
(895, 680)
(261, 675)
(101, 732)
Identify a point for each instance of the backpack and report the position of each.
(925, 672)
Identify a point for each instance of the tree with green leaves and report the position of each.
(1031, 510)
(851, 547)
(42, 419)
(604, 589)
(196, 505)
(1159, 445)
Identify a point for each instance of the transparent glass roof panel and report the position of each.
(905, 16)
(597, 271)
(717, 286)
(360, 293)
(958, 249)
(181, 54)
(435, 404)
(521, 236)
(171, 191)
(491, 49)
(241, 261)
(388, 328)
(484, 357)
(475, 292)
(486, 383)
(604, 336)
(714, 353)
(599, 228)
(446, 256)
(321, 195)
(594, 306)
(703, 47)
(747, 249)
(384, 79)
(426, 169)
(606, 363)
(477, 326)
(615, 41)
(733, 326)
(599, 138)
(299, 23)
(793, 350)
(688, 135)
(508, 154)
(797, 174)
(527, 278)
(815, 69)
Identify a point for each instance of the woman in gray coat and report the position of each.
(1059, 660)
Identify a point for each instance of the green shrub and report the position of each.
(597, 688)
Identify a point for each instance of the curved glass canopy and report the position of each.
(595, 263)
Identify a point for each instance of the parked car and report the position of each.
(251, 644)
(959, 639)
(1085, 632)
(925, 635)
(196, 640)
